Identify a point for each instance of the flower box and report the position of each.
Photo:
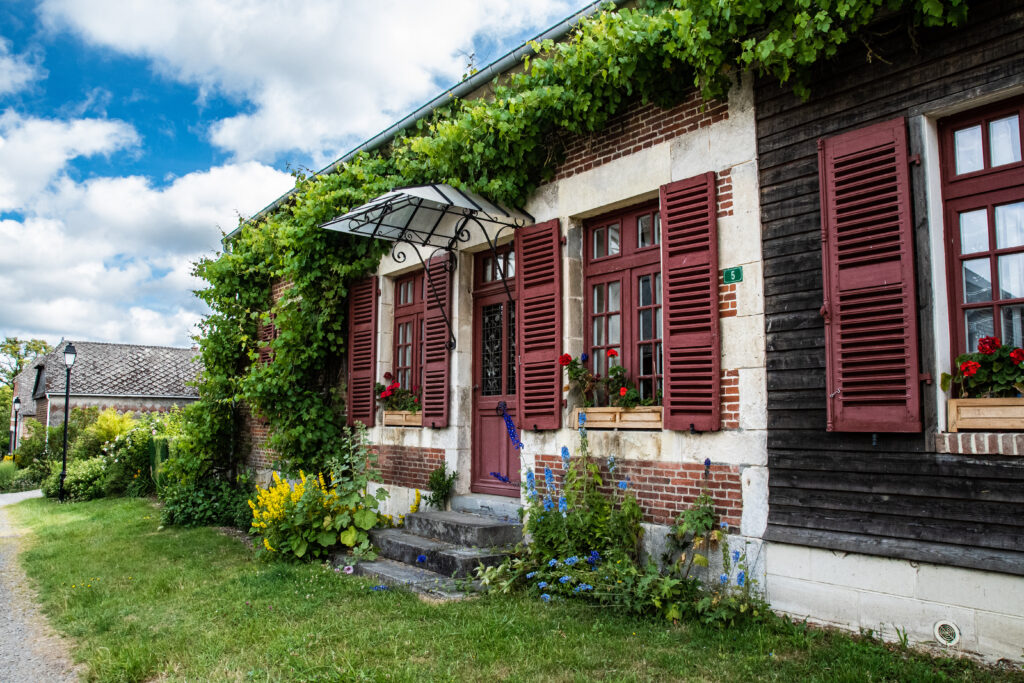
(641, 417)
(986, 413)
(403, 418)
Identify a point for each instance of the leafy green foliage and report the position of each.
(84, 479)
(441, 485)
(213, 501)
(15, 355)
(994, 371)
(6, 397)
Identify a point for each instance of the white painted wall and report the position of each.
(860, 592)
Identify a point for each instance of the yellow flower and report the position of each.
(266, 543)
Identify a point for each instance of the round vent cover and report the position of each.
(947, 633)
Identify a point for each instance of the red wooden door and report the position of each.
(494, 377)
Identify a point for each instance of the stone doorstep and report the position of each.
(416, 579)
(461, 528)
(447, 559)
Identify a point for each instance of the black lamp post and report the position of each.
(14, 437)
(69, 360)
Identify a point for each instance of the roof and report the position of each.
(119, 370)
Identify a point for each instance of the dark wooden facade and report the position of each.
(880, 494)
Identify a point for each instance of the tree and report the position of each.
(15, 354)
(6, 396)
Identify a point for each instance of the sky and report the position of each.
(135, 133)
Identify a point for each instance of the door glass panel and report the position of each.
(657, 323)
(968, 150)
(646, 360)
(1011, 276)
(613, 239)
(657, 289)
(490, 348)
(510, 364)
(598, 239)
(973, 231)
(978, 323)
(645, 238)
(977, 281)
(657, 228)
(1004, 140)
(1010, 225)
(614, 333)
(613, 296)
(1012, 324)
(510, 265)
(488, 269)
(598, 292)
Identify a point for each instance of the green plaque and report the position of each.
(732, 275)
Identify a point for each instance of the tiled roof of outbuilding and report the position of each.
(121, 370)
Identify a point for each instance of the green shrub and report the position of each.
(441, 485)
(211, 502)
(84, 479)
(8, 471)
(129, 470)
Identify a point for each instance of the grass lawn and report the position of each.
(195, 605)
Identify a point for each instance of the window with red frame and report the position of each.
(622, 292)
(408, 332)
(983, 194)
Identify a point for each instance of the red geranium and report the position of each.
(1017, 356)
(612, 353)
(622, 391)
(969, 367)
(989, 345)
(564, 359)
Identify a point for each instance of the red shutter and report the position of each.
(539, 325)
(867, 258)
(436, 353)
(689, 264)
(362, 350)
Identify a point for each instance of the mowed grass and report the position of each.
(143, 603)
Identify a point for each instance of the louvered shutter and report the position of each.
(362, 350)
(539, 325)
(437, 305)
(869, 302)
(689, 264)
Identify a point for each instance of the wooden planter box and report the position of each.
(641, 417)
(403, 418)
(998, 414)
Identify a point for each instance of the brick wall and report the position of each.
(253, 437)
(979, 443)
(723, 192)
(407, 465)
(640, 127)
(726, 297)
(730, 399)
(665, 489)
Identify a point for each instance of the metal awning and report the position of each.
(435, 218)
(428, 216)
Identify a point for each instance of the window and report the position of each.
(983, 193)
(623, 295)
(408, 332)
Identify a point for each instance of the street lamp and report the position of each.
(69, 360)
(14, 437)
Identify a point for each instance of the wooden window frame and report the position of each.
(981, 189)
(409, 312)
(626, 267)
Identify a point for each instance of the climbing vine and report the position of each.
(503, 145)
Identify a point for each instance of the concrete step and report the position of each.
(416, 579)
(501, 507)
(447, 559)
(461, 528)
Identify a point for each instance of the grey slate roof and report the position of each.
(120, 370)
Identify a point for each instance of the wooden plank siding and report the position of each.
(880, 494)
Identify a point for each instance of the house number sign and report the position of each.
(732, 275)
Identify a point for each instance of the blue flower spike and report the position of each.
(549, 479)
(553, 562)
(565, 455)
(570, 561)
(531, 575)
(563, 505)
(735, 555)
(583, 419)
(542, 584)
(741, 578)
(724, 578)
(564, 579)
(584, 358)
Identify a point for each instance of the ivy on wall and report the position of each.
(502, 145)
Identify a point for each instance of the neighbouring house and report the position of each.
(788, 275)
(892, 217)
(126, 377)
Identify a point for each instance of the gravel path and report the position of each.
(30, 651)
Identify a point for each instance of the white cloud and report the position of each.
(109, 259)
(34, 151)
(319, 75)
(16, 71)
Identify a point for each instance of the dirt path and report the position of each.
(30, 651)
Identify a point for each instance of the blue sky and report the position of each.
(132, 133)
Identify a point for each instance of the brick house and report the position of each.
(126, 377)
(705, 245)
